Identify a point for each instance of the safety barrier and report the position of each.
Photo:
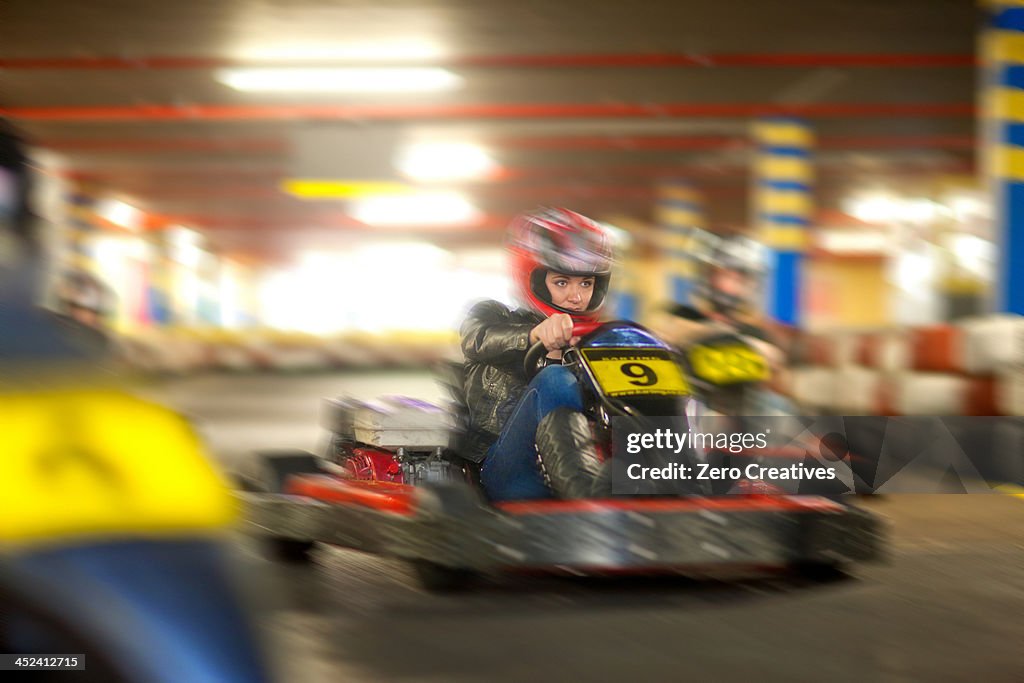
(188, 351)
(971, 367)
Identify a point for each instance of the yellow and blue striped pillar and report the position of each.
(1002, 141)
(783, 207)
(680, 216)
(624, 293)
(626, 288)
(81, 233)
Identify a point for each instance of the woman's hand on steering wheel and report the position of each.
(552, 334)
(555, 332)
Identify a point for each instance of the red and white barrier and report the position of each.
(972, 367)
(1010, 390)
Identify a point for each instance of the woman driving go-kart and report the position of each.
(403, 478)
(561, 266)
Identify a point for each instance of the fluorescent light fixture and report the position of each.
(328, 79)
(974, 254)
(184, 247)
(918, 210)
(855, 241)
(119, 213)
(872, 209)
(426, 208)
(968, 206)
(882, 208)
(383, 51)
(445, 161)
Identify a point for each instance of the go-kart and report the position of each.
(113, 532)
(392, 481)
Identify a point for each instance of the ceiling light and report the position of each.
(355, 79)
(871, 209)
(445, 161)
(369, 52)
(436, 208)
(882, 208)
(119, 213)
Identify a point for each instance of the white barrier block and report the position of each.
(856, 391)
(1010, 391)
(813, 387)
(929, 393)
(992, 342)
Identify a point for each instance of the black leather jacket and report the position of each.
(494, 343)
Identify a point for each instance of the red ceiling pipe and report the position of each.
(232, 191)
(213, 112)
(201, 174)
(722, 171)
(621, 142)
(291, 226)
(632, 60)
(151, 145)
(562, 142)
(680, 142)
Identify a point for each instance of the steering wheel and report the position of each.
(532, 362)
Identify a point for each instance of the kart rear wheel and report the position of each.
(290, 550)
(437, 578)
(270, 471)
(819, 572)
(273, 468)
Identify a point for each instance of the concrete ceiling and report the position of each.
(585, 103)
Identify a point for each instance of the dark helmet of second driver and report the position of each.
(732, 268)
(559, 241)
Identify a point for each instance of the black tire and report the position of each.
(270, 472)
(437, 578)
(290, 550)
(566, 454)
(819, 572)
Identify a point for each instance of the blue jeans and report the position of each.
(510, 471)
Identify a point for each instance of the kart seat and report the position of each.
(452, 376)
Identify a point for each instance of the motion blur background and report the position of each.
(292, 199)
(253, 176)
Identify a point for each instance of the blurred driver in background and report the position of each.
(30, 335)
(561, 266)
(730, 278)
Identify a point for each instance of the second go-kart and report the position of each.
(392, 482)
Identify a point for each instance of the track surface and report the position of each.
(947, 606)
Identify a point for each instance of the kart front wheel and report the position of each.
(438, 578)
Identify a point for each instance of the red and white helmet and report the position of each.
(560, 241)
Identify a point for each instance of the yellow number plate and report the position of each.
(627, 372)
(728, 364)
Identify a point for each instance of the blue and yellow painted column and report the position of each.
(783, 206)
(80, 253)
(1002, 143)
(626, 288)
(680, 216)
